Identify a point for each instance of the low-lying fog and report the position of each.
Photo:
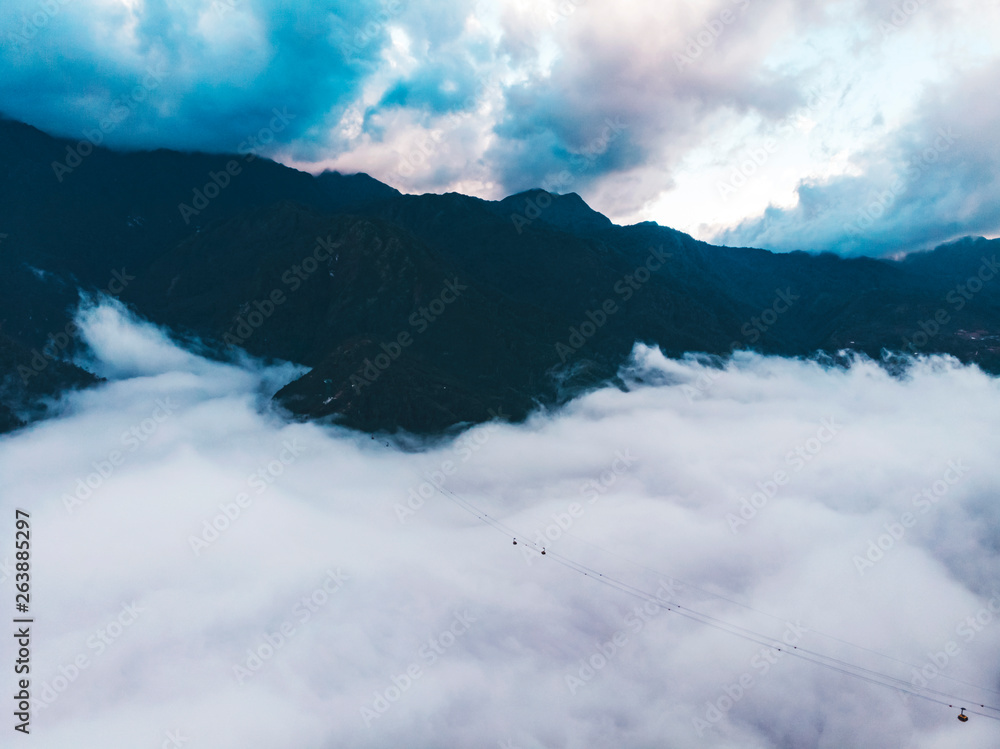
(207, 574)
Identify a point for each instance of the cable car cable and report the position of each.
(802, 653)
(777, 618)
(819, 659)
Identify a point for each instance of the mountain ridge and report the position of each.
(547, 295)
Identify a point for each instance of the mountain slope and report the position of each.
(423, 312)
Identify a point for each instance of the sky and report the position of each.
(861, 127)
(207, 574)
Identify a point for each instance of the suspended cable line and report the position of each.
(811, 629)
(820, 659)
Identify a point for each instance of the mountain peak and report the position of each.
(354, 188)
(568, 212)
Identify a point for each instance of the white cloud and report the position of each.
(665, 465)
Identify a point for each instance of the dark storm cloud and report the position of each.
(221, 68)
(571, 95)
(192, 76)
(659, 93)
(437, 88)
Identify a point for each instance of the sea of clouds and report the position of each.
(207, 573)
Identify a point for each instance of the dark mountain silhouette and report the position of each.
(422, 312)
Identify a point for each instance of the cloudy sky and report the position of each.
(234, 580)
(859, 126)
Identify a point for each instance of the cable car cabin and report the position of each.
(962, 716)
